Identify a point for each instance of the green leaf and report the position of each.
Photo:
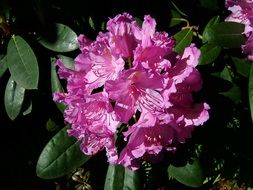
(22, 63)
(176, 18)
(66, 40)
(183, 39)
(212, 22)
(209, 52)
(3, 65)
(251, 91)
(51, 125)
(29, 109)
(226, 34)
(13, 98)
(226, 74)
(118, 177)
(56, 84)
(190, 174)
(91, 23)
(60, 156)
(67, 61)
(209, 4)
(242, 66)
(178, 10)
(233, 94)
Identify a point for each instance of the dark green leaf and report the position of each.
(178, 10)
(121, 178)
(226, 34)
(233, 93)
(242, 66)
(22, 63)
(251, 91)
(176, 18)
(190, 174)
(13, 98)
(209, 52)
(209, 4)
(60, 156)
(3, 65)
(226, 74)
(212, 22)
(55, 84)
(183, 39)
(66, 40)
(51, 125)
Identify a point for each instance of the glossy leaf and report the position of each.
(183, 39)
(56, 84)
(242, 66)
(190, 174)
(226, 34)
(3, 65)
(118, 177)
(60, 156)
(66, 40)
(251, 91)
(13, 98)
(212, 22)
(22, 63)
(209, 52)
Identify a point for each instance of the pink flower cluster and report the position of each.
(242, 12)
(132, 73)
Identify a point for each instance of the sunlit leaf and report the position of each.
(190, 174)
(183, 39)
(13, 98)
(226, 34)
(118, 177)
(60, 156)
(22, 63)
(66, 40)
(209, 52)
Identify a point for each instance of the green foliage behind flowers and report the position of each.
(33, 38)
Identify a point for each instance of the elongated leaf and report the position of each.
(212, 22)
(226, 34)
(209, 52)
(3, 65)
(118, 177)
(22, 63)
(13, 98)
(251, 91)
(66, 40)
(55, 84)
(60, 156)
(183, 39)
(190, 174)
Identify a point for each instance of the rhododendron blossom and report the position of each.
(242, 12)
(130, 79)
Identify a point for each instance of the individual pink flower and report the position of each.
(122, 40)
(94, 124)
